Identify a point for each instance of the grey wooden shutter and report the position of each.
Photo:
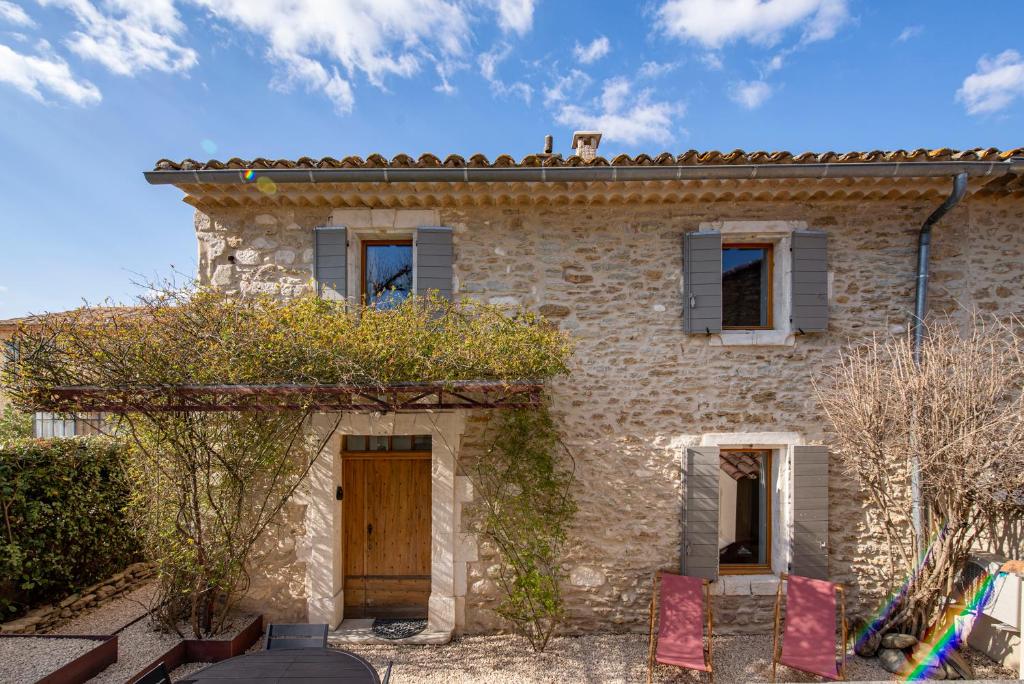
(330, 262)
(434, 256)
(700, 517)
(702, 282)
(810, 281)
(810, 512)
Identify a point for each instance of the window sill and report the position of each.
(753, 338)
(745, 585)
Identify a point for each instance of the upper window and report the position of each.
(744, 511)
(387, 443)
(747, 286)
(387, 272)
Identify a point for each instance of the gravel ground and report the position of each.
(137, 646)
(612, 658)
(113, 616)
(27, 660)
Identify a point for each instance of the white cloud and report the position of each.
(515, 15)
(489, 62)
(593, 51)
(715, 23)
(995, 85)
(315, 77)
(656, 69)
(623, 118)
(319, 45)
(712, 60)
(908, 33)
(130, 37)
(31, 74)
(565, 87)
(14, 14)
(750, 94)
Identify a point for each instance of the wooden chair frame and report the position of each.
(652, 637)
(840, 599)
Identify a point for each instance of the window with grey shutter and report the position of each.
(702, 282)
(434, 256)
(330, 262)
(810, 281)
(810, 512)
(700, 514)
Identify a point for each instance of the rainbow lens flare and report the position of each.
(950, 639)
(208, 146)
(248, 175)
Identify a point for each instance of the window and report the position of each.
(387, 272)
(387, 443)
(747, 286)
(744, 511)
(46, 425)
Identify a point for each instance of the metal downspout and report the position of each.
(924, 244)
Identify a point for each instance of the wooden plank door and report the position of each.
(386, 518)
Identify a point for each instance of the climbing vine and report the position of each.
(523, 483)
(207, 485)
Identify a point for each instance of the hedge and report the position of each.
(63, 523)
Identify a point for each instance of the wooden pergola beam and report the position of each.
(328, 398)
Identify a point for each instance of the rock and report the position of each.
(69, 600)
(584, 576)
(895, 640)
(893, 660)
(951, 673)
(956, 663)
(19, 626)
(867, 645)
(554, 311)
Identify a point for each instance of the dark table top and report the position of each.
(289, 666)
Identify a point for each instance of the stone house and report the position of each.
(705, 290)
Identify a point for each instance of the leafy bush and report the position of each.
(62, 503)
(14, 424)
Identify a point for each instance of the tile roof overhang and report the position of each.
(692, 176)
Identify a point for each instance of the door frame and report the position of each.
(320, 548)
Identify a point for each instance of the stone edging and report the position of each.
(49, 617)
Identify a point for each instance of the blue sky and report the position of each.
(93, 92)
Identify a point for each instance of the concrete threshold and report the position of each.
(360, 631)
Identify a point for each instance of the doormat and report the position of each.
(398, 628)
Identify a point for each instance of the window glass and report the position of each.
(743, 507)
(387, 273)
(746, 277)
(386, 443)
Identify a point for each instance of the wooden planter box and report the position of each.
(85, 666)
(206, 650)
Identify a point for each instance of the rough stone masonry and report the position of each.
(641, 390)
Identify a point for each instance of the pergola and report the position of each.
(324, 398)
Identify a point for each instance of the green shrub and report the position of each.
(14, 424)
(63, 526)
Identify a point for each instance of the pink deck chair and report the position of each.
(680, 615)
(808, 643)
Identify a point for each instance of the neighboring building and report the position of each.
(47, 424)
(706, 291)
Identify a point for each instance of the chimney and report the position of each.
(585, 143)
(548, 147)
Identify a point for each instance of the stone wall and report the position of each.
(641, 390)
(47, 618)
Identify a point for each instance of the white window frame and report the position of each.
(781, 445)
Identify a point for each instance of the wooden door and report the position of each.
(386, 514)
